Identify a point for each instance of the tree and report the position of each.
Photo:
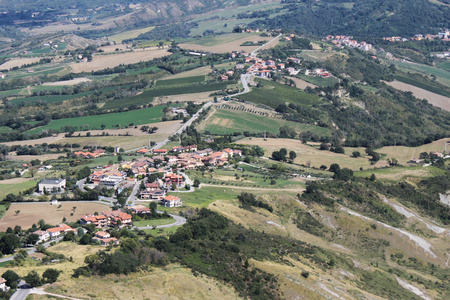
(153, 207)
(334, 168)
(50, 275)
(196, 183)
(119, 158)
(41, 223)
(17, 212)
(11, 278)
(344, 174)
(8, 243)
(70, 236)
(17, 229)
(292, 155)
(33, 279)
(86, 239)
(324, 146)
(32, 239)
(32, 171)
(356, 154)
(373, 177)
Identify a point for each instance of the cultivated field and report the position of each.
(67, 82)
(404, 154)
(43, 157)
(130, 34)
(195, 72)
(435, 99)
(230, 121)
(31, 213)
(18, 62)
(100, 62)
(226, 43)
(301, 84)
(196, 97)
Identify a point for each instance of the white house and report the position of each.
(54, 232)
(52, 185)
(43, 235)
(3, 285)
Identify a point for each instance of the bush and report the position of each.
(305, 274)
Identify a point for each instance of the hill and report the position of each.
(361, 18)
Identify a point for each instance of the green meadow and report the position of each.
(137, 117)
(225, 121)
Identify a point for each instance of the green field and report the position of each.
(319, 81)
(148, 95)
(180, 81)
(15, 188)
(46, 71)
(155, 222)
(10, 92)
(444, 65)
(272, 94)
(442, 75)
(138, 117)
(422, 85)
(225, 121)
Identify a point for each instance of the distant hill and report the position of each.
(361, 18)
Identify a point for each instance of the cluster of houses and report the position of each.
(343, 40)
(52, 233)
(90, 154)
(318, 72)
(444, 35)
(113, 218)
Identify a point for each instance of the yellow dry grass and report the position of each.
(231, 45)
(43, 157)
(67, 82)
(435, 99)
(31, 213)
(404, 154)
(100, 62)
(18, 62)
(307, 153)
(171, 282)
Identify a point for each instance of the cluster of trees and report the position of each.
(248, 200)
(403, 19)
(282, 155)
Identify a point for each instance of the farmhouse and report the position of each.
(160, 151)
(51, 185)
(171, 201)
(3, 285)
(43, 235)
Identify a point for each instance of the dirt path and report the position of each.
(435, 99)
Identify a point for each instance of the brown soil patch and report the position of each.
(68, 82)
(43, 157)
(31, 213)
(301, 84)
(14, 180)
(225, 123)
(435, 99)
(196, 72)
(232, 46)
(18, 62)
(100, 62)
(196, 97)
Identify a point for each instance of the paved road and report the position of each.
(80, 184)
(257, 49)
(21, 293)
(178, 222)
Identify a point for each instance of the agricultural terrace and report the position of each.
(114, 120)
(168, 87)
(225, 121)
(31, 213)
(103, 61)
(129, 34)
(309, 153)
(273, 93)
(442, 76)
(226, 43)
